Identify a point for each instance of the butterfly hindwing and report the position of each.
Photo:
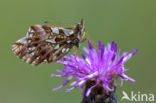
(45, 44)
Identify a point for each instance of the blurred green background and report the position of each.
(131, 23)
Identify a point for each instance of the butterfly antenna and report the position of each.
(75, 53)
(48, 21)
(59, 23)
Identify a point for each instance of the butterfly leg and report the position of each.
(89, 39)
(75, 53)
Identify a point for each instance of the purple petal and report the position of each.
(112, 45)
(86, 50)
(68, 90)
(65, 83)
(129, 56)
(102, 52)
(116, 47)
(100, 45)
(90, 45)
(54, 75)
(83, 56)
(90, 89)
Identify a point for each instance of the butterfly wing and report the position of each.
(43, 44)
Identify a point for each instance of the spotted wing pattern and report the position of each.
(43, 44)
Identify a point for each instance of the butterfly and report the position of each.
(46, 44)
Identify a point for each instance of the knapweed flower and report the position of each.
(97, 68)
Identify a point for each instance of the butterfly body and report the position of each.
(45, 44)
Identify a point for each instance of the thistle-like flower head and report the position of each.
(100, 67)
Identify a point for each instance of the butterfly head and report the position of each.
(80, 28)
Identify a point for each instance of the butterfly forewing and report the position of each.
(45, 44)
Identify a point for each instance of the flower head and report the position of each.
(101, 67)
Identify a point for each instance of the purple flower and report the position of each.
(101, 67)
